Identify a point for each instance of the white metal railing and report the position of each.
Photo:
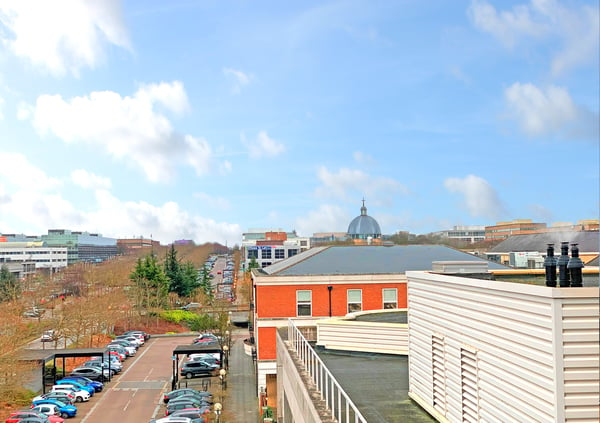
(341, 406)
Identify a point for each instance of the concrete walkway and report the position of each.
(240, 400)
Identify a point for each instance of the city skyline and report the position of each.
(200, 120)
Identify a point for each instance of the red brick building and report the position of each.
(326, 282)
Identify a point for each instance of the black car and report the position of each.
(197, 368)
(186, 391)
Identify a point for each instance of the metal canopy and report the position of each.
(46, 355)
(191, 349)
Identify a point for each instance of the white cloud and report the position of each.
(479, 197)
(240, 78)
(27, 208)
(19, 172)
(349, 183)
(327, 218)
(363, 158)
(127, 128)
(572, 32)
(219, 203)
(550, 111)
(1, 108)
(88, 180)
(62, 35)
(262, 146)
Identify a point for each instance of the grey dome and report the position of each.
(364, 226)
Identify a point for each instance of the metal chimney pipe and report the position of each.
(575, 267)
(563, 261)
(550, 265)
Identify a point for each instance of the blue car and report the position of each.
(78, 385)
(66, 410)
(98, 386)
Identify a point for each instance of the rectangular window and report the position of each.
(292, 252)
(252, 254)
(265, 264)
(354, 300)
(266, 254)
(390, 298)
(279, 253)
(304, 303)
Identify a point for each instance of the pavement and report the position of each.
(241, 401)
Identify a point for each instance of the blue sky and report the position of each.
(202, 119)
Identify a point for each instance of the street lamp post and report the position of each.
(218, 407)
(226, 356)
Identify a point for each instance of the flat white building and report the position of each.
(489, 351)
(50, 258)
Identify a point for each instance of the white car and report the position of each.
(129, 350)
(80, 395)
(47, 409)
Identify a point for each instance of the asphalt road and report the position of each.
(135, 395)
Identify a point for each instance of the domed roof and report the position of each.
(364, 226)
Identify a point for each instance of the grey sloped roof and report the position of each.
(362, 260)
(587, 240)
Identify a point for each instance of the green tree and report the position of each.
(190, 279)
(151, 283)
(252, 264)
(10, 287)
(173, 272)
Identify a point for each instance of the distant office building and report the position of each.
(503, 230)
(268, 246)
(467, 234)
(82, 246)
(128, 245)
(25, 257)
(327, 237)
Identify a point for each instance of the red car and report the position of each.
(17, 416)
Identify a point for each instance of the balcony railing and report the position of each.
(339, 404)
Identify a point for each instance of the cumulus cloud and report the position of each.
(352, 183)
(263, 146)
(327, 218)
(28, 207)
(549, 111)
(129, 128)
(363, 158)
(23, 175)
(88, 180)
(479, 197)
(573, 30)
(240, 79)
(62, 35)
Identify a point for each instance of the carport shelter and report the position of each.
(191, 349)
(50, 355)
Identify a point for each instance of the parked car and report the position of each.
(49, 336)
(94, 373)
(134, 340)
(190, 369)
(18, 416)
(208, 359)
(47, 409)
(65, 397)
(144, 334)
(177, 420)
(98, 386)
(103, 365)
(76, 385)
(115, 363)
(128, 346)
(182, 405)
(65, 410)
(192, 413)
(117, 349)
(79, 394)
(185, 391)
(192, 306)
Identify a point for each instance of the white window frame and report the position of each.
(354, 303)
(384, 302)
(304, 302)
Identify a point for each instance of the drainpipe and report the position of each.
(550, 265)
(563, 260)
(329, 288)
(574, 266)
